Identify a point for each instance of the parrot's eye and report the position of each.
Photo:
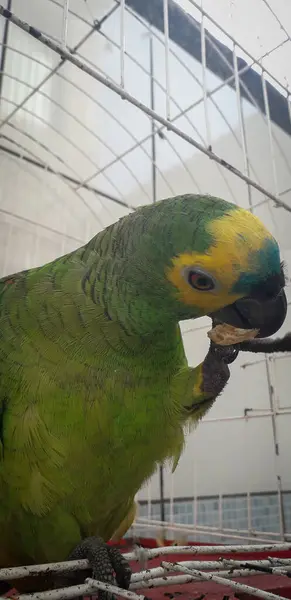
(200, 281)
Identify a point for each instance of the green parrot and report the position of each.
(95, 389)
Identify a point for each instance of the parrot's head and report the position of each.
(193, 255)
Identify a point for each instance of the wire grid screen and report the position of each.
(111, 105)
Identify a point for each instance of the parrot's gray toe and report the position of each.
(121, 568)
(107, 564)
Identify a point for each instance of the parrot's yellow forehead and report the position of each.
(237, 238)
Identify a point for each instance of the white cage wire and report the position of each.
(112, 104)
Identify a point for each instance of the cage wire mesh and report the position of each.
(106, 106)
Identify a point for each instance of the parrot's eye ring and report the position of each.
(200, 281)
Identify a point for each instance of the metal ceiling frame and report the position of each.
(185, 31)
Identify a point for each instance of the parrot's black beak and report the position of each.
(258, 311)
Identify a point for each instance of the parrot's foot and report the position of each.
(224, 354)
(106, 564)
(215, 368)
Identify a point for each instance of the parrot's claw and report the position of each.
(107, 564)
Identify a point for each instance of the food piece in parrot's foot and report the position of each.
(227, 335)
(106, 563)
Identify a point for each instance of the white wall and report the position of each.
(41, 216)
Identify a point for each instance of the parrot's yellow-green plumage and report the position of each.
(95, 389)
